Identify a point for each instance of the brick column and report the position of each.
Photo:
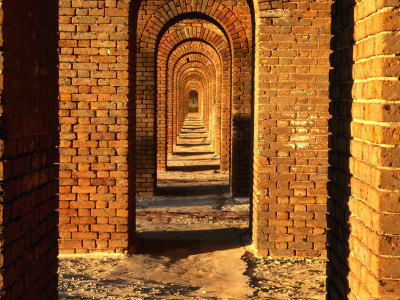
(29, 155)
(364, 241)
(94, 119)
(291, 113)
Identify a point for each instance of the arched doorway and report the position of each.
(234, 110)
(193, 102)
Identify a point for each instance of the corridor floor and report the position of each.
(193, 242)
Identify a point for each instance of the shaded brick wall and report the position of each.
(364, 242)
(97, 114)
(109, 135)
(291, 127)
(29, 137)
(97, 123)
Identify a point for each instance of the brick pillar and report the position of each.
(291, 128)
(29, 155)
(97, 127)
(364, 242)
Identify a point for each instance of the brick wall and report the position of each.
(29, 137)
(102, 124)
(97, 125)
(364, 255)
(291, 127)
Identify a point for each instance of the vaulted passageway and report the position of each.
(195, 46)
(193, 167)
(299, 100)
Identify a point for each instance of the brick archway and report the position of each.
(165, 75)
(193, 85)
(199, 63)
(195, 46)
(148, 40)
(186, 77)
(222, 85)
(191, 82)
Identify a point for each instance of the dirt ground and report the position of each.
(194, 243)
(209, 261)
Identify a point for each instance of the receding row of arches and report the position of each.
(287, 90)
(205, 46)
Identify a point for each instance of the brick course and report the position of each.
(95, 126)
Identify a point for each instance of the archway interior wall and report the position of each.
(183, 90)
(196, 86)
(82, 95)
(181, 52)
(165, 106)
(214, 54)
(290, 140)
(28, 155)
(176, 39)
(193, 101)
(192, 85)
(194, 82)
(364, 206)
(209, 74)
(203, 91)
(173, 62)
(208, 65)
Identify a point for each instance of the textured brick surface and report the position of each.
(97, 125)
(29, 136)
(291, 127)
(364, 207)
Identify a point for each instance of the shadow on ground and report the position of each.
(181, 244)
(192, 190)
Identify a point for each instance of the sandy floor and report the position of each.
(194, 243)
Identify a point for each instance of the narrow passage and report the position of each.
(193, 169)
(192, 235)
